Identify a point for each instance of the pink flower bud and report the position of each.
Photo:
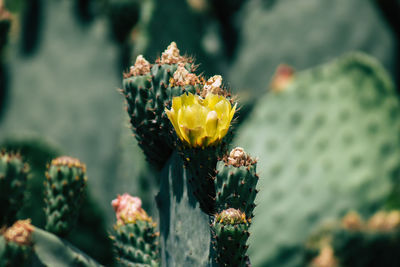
(128, 209)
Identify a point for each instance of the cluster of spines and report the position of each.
(13, 179)
(235, 182)
(148, 90)
(15, 244)
(230, 234)
(135, 244)
(64, 190)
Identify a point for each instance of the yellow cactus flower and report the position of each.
(201, 122)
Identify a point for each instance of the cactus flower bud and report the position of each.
(231, 216)
(200, 122)
(352, 221)
(128, 209)
(283, 76)
(19, 232)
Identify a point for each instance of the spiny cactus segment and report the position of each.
(64, 190)
(13, 178)
(15, 244)
(148, 90)
(135, 238)
(230, 230)
(236, 181)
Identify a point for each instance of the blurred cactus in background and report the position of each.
(333, 133)
(357, 243)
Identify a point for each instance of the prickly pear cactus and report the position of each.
(329, 142)
(148, 90)
(13, 178)
(135, 237)
(64, 188)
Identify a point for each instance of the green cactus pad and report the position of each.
(230, 232)
(147, 94)
(13, 178)
(136, 244)
(236, 187)
(54, 251)
(328, 143)
(64, 188)
(184, 228)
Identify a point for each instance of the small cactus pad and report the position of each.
(64, 189)
(230, 234)
(235, 182)
(135, 238)
(13, 177)
(15, 244)
(148, 90)
(326, 143)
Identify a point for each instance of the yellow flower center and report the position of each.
(201, 122)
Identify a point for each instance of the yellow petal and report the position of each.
(195, 136)
(182, 127)
(211, 100)
(176, 103)
(233, 110)
(211, 123)
(173, 118)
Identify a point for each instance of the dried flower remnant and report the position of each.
(171, 55)
(141, 67)
(20, 232)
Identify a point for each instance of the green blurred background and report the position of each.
(62, 67)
